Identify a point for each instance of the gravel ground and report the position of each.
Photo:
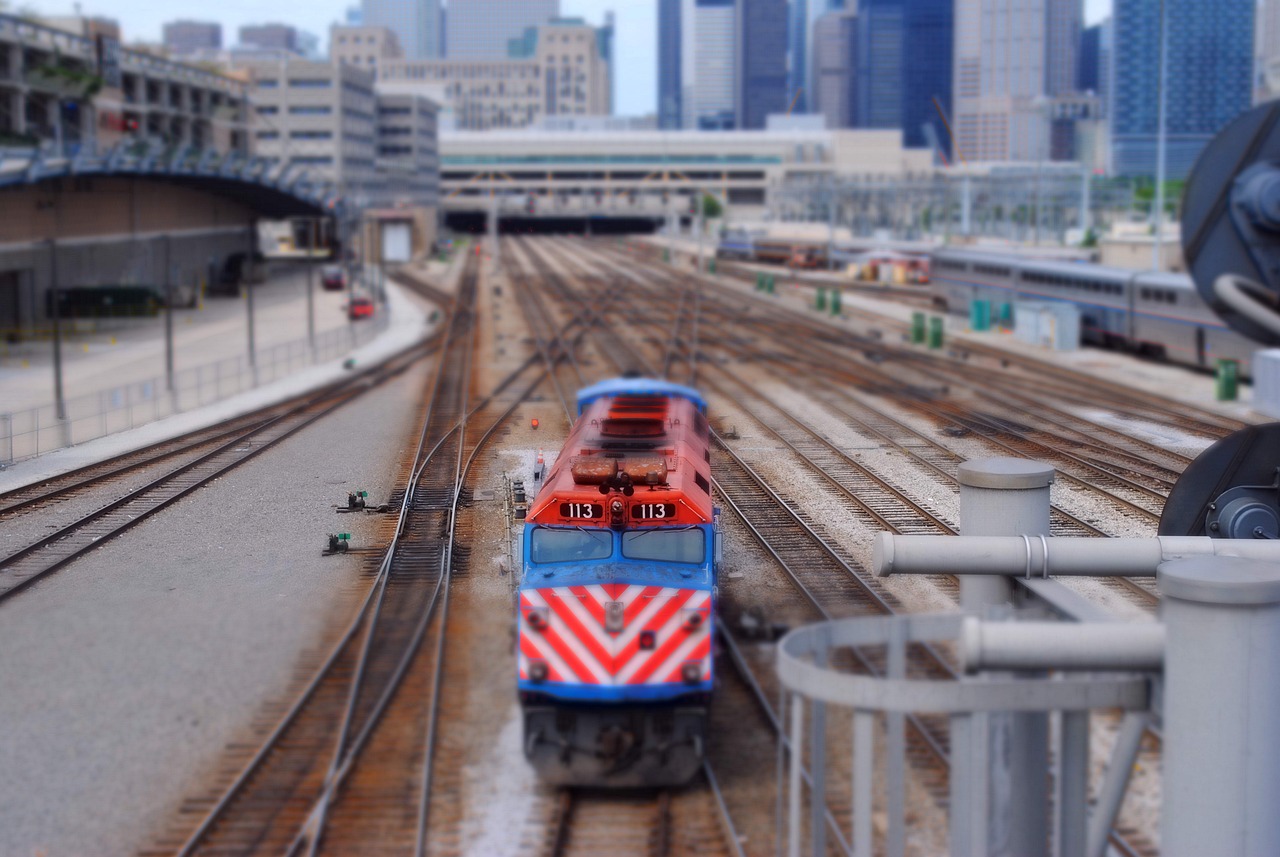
(126, 673)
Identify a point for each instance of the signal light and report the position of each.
(537, 618)
(533, 423)
(648, 640)
(692, 620)
(538, 671)
(691, 673)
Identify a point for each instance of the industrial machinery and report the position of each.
(617, 596)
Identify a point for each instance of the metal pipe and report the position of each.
(1037, 557)
(168, 319)
(1116, 782)
(311, 298)
(60, 402)
(1060, 645)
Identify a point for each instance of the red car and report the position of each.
(360, 308)
(333, 278)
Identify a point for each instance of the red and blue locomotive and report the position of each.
(617, 598)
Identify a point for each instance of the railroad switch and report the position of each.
(356, 500)
(338, 543)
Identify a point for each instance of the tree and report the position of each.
(711, 207)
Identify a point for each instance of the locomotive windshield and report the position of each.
(682, 545)
(556, 545)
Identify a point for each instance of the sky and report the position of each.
(635, 73)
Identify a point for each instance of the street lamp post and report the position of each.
(246, 273)
(168, 321)
(311, 298)
(60, 402)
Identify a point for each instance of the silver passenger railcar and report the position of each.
(1155, 314)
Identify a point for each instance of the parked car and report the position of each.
(360, 308)
(333, 278)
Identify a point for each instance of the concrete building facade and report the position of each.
(483, 29)
(141, 96)
(561, 69)
(318, 117)
(363, 47)
(761, 53)
(183, 38)
(418, 24)
(1010, 60)
(1209, 73)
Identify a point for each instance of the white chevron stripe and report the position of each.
(677, 657)
(663, 634)
(548, 652)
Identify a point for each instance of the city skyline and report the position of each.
(635, 65)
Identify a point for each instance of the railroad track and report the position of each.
(794, 543)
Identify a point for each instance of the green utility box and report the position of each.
(666, 256)
(1006, 316)
(820, 302)
(917, 328)
(760, 287)
(980, 315)
(835, 301)
(1228, 386)
(711, 266)
(935, 331)
(770, 284)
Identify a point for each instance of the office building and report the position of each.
(1209, 73)
(800, 32)
(709, 80)
(482, 29)
(670, 43)
(1266, 82)
(1088, 62)
(562, 68)
(320, 117)
(834, 73)
(408, 158)
(1010, 61)
(272, 37)
(363, 47)
(183, 38)
(878, 72)
(418, 24)
(761, 61)
(928, 32)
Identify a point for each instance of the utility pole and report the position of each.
(246, 273)
(168, 322)
(60, 402)
(311, 297)
(1157, 246)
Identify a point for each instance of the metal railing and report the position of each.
(35, 431)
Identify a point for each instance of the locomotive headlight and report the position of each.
(537, 618)
(693, 619)
(691, 672)
(537, 671)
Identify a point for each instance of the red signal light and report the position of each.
(533, 423)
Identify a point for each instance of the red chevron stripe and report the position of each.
(566, 654)
(640, 602)
(530, 651)
(613, 590)
(659, 657)
(655, 624)
(703, 649)
(584, 634)
(588, 600)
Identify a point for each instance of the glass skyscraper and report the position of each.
(1209, 75)
(416, 23)
(669, 80)
(762, 61)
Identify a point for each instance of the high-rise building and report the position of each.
(928, 31)
(834, 73)
(880, 45)
(1209, 73)
(481, 29)
(182, 38)
(364, 47)
(670, 19)
(800, 32)
(1088, 64)
(418, 24)
(562, 68)
(1266, 82)
(761, 51)
(277, 37)
(1010, 60)
(709, 81)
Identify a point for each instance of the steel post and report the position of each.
(168, 322)
(1005, 497)
(247, 275)
(311, 298)
(1222, 689)
(59, 400)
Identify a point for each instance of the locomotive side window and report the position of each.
(683, 545)
(569, 545)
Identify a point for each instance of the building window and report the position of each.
(315, 161)
(266, 84)
(311, 135)
(268, 135)
(266, 110)
(310, 82)
(318, 110)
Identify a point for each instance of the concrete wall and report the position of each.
(109, 231)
